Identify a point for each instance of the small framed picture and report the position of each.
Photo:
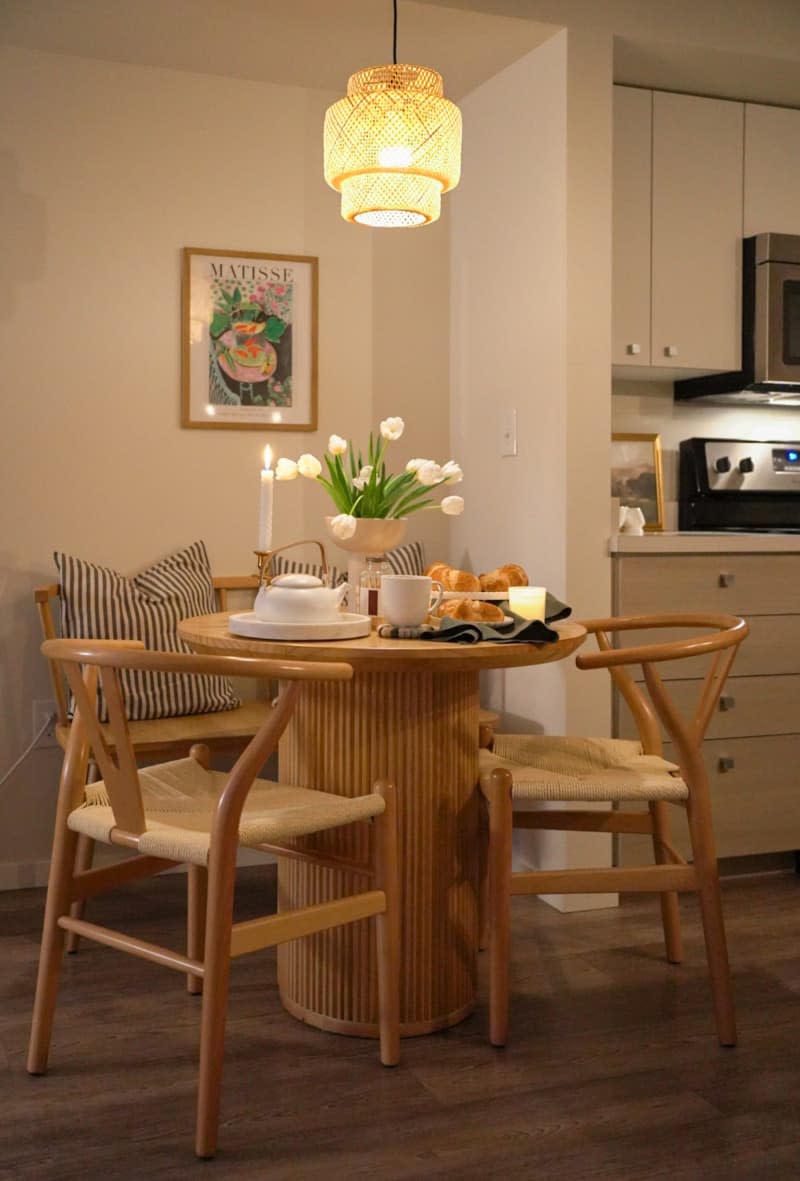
(636, 476)
(249, 346)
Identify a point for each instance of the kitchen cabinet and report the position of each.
(677, 227)
(633, 132)
(771, 170)
(752, 748)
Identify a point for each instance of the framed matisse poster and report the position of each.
(249, 340)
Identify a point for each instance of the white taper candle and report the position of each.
(265, 503)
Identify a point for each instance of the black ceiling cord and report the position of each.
(394, 35)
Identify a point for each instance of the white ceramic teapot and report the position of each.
(298, 598)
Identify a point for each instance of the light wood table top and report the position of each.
(209, 633)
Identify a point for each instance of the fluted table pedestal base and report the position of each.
(418, 729)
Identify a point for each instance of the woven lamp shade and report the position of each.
(393, 146)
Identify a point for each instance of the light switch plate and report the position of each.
(508, 432)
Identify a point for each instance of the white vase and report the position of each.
(373, 536)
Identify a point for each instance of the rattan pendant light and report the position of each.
(393, 145)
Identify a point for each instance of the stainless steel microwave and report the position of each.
(770, 373)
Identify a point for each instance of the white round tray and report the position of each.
(345, 627)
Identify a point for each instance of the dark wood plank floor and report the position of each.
(613, 1072)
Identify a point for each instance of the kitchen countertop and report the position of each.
(704, 543)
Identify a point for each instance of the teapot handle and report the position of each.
(264, 559)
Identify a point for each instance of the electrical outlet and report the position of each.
(42, 710)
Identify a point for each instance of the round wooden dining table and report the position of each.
(410, 714)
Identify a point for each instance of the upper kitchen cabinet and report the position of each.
(771, 170)
(677, 230)
(632, 187)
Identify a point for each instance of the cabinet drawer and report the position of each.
(742, 584)
(756, 804)
(755, 706)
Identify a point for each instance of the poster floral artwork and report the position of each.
(249, 340)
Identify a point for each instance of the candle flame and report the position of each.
(267, 457)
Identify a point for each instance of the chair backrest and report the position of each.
(48, 600)
(719, 638)
(83, 662)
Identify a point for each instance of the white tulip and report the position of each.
(309, 465)
(429, 473)
(414, 465)
(361, 480)
(452, 473)
(392, 428)
(453, 506)
(337, 445)
(343, 526)
(286, 469)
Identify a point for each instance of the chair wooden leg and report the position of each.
(215, 1000)
(670, 907)
(499, 903)
(718, 965)
(388, 927)
(710, 898)
(52, 949)
(196, 898)
(483, 876)
(84, 857)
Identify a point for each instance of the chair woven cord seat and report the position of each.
(544, 767)
(179, 799)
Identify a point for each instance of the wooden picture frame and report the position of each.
(249, 340)
(636, 476)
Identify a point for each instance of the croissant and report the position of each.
(475, 610)
(460, 580)
(437, 570)
(453, 579)
(516, 575)
(503, 577)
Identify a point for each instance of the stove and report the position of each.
(739, 485)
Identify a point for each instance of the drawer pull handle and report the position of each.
(727, 579)
(726, 702)
(725, 763)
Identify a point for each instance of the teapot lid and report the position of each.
(297, 581)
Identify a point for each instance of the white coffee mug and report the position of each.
(407, 598)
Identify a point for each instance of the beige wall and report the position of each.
(106, 172)
(508, 296)
(527, 336)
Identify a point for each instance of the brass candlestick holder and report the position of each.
(264, 559)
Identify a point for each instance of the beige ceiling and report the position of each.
(312, 43)
(731, 48)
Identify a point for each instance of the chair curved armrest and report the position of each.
(133, 654)
(729, 631)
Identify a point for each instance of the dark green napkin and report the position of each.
(462, 631)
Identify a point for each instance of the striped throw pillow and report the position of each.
(101, 604)
(407, 559)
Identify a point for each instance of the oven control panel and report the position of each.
(786, 459)
(736, 466)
